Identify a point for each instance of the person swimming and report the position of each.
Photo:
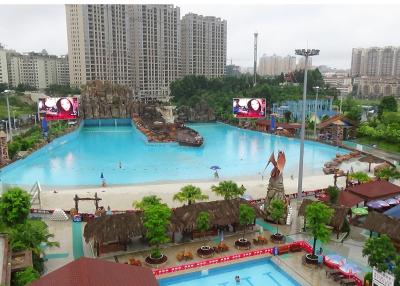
(237, 279)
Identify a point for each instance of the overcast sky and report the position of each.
(334, 29)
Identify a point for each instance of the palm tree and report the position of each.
(228, 190)
(361, 177)
(191, 194)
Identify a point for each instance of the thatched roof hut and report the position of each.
(338, 218)
(380, 223)
(117, 227)
(221, 213)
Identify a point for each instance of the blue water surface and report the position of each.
(79, 158)
(260, 272)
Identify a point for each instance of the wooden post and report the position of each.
(96, 201)
(76, 199)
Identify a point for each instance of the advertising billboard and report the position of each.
(58, 108)
(249, 107)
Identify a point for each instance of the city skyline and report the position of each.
(328, 34)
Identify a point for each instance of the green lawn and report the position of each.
(383, 145)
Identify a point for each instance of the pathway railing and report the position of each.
(303, 244)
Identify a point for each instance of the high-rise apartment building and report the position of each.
(62, 70)
(376, 62)
(302, 63)
(156, 49)
(203, 45)
(275, 65)
(99, 43)
(3, 65)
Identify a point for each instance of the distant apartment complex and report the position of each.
(339, 80)
(203, 45)
(376, 71)
(142, 46)
(38, 70)
(275, 65)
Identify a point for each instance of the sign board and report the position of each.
(249, 107)
(382, 278)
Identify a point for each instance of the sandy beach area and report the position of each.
(121, 197)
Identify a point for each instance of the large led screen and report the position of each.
(62, 108)
(249, 107)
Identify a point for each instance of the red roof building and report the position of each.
(375, 190)
(97, 272)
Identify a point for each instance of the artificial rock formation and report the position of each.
(106, 100)
(276, 189)
(200, 113)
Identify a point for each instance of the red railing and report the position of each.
(304, 245)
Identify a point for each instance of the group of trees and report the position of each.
(219, 92)
(383, 255)
(61, 90)
(386, 126)
(33, 137)
(23, 233)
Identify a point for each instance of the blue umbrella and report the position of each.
(215, 168)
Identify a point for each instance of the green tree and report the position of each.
(380, 252)
(388, 103)
(388, 173)
(15, 204)
(156, 220)
(190, 194)
(277, 211)
(352, 109)
(31, 235)
(361, 177)
(318, 215)
(147, 201)
(246, 216)
(203, 222)
(396, 271)
(333, 193)
(228, 190)
(24, 277)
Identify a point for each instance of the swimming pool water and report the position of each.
(79, 158)
(260, 272)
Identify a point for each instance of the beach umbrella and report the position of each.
(378, 204)
(261, 230)
(247, 197)
(335, 259)
(279, 128)
(350, 268)
(222, 236)
(359, 211)
(392, 201)
(371, 159)
(215, 168)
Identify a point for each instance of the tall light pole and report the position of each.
(255, 59)
(8, 110)
(315, 119)
(305, 53)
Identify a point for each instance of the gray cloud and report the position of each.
(334, 29)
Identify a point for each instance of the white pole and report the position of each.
(9, 117)
(303, 127)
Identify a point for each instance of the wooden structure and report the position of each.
(374, 190)
(5, 266)
(383, 224)
(96, 272)
(113, 232)
(96, 200)
(338, 219)
(265, 126)
(338, 127)
(21, 260)
(222, 213)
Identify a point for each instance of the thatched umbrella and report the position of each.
(371, 159)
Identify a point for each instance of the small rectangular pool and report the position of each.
(259, 272)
